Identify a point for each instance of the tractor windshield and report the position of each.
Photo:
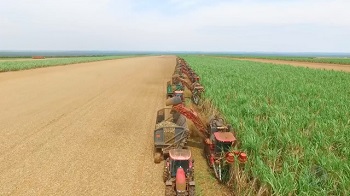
(179, 163)
(223, 146)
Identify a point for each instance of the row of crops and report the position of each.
(15, 65)
(340, 60)
(293, 122)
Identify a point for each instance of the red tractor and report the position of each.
(218, 140)
(179, 173)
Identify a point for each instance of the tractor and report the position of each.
(172, 87)
(196, 93)
(178, 173)
(196, 88)
(218, 140)
(220, 156)
(183, 68)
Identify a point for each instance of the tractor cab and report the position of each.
(179, 158)
(169, 89)
(218, 125)
(179, 94)
(179, 86)
(178, 173)
(223, 141)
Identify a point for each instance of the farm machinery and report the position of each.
(179, 81)
(184, 68)
(170, 138)
(218, 140)
(172, 88)
(178, 173)
(170, 132)
(195, 88)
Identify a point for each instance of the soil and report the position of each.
(83, 129)
(327, 66)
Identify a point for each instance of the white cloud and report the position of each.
(242, 25)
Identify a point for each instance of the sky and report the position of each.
(176, 25)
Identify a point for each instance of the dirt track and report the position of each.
(83, 129)
(326, 66)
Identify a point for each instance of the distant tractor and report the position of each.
(38, 57)
(196, 93)
(170, 132)
(172, 87)
(195, 87)
(169, 90)
(179, 173)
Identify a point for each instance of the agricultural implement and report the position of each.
(217, 138)
(195, 88)
(178, 173)
(170, 137)
(183, 67)
(172, 88)
(170, 132)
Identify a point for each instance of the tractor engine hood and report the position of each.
(180, 180)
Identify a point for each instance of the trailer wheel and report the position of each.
(157, 157)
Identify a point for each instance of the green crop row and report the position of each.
(345, 61)
(293, 122)
(31, 63)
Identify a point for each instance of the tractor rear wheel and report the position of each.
(165, 174)
(192, 191)
(225, 173)
(169, 191)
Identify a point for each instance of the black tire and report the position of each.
(165, 173)
(217, 170)
(195, 98)
(169, 191)
(225, 174)
(192, 191)
(157, 157)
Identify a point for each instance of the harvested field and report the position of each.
(83, 129)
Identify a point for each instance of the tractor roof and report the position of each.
(180, 154)
(224, 136)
